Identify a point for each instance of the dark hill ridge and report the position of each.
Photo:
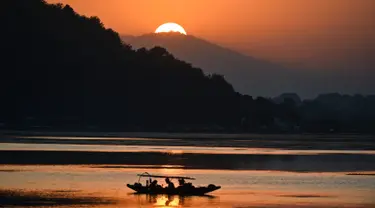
(71, 67)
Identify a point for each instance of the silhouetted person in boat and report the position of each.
(181, 182)
(170, 184)
(154, 184)
(148, 182)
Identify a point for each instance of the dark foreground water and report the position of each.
(253, 172)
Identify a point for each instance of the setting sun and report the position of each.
(170, 27)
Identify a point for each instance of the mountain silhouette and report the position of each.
(253, 76)
(247, 74)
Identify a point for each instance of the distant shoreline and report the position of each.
(174, 135)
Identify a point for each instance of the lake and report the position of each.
(253, 170)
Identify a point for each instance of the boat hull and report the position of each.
(184, 191)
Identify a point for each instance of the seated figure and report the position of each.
(181, 182)
(170, 184)
(154, 184)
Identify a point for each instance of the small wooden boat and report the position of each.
(184, 189)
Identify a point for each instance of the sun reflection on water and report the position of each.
(175, 152)
(167, 201)
(171, 169)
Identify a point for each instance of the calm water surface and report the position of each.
(240, 188)
(258, 176)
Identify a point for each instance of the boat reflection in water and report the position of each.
(168, 201)
(165, 200)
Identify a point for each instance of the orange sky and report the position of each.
(336, 34)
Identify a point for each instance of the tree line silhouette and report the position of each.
(61, 70)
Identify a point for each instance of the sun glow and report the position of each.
(170, 27)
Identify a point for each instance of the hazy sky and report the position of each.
(311, 34)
